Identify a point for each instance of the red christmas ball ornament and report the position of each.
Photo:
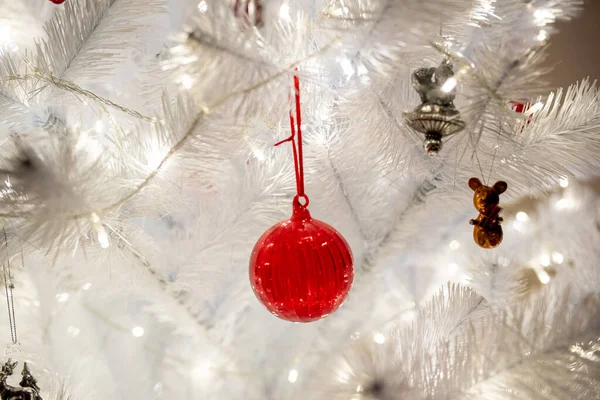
(57, 1)
(301, 269)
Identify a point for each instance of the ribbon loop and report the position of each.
(296, 139)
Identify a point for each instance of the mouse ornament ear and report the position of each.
(500, 187)
(474, 183)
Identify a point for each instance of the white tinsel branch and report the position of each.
(545, 341)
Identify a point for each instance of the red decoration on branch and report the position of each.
(301, 269)
(521, 107)
(518, 106)
(57, 1)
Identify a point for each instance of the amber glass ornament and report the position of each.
(487, 230)
(301, 269)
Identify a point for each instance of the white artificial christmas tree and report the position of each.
(138, 172)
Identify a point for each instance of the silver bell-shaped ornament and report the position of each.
(436, 117)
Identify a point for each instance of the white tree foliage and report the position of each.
(138, 170)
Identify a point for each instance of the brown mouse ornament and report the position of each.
(487, 231)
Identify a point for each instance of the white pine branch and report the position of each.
(545, 343)
(458, 349)
(380, 35)
(91, 36)
(559, 140)
(219, 54)
(501, 60)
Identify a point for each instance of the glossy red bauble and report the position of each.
(301, 269)
(57, 1)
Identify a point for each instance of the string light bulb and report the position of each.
(293, 375)
(187, 81)
(452, 268)
(557, 257)
(522, 216)
(202, 370)
(284, 12)
(542, 276)
(534, 108)
(73, 331)
(542, 35)
(137, 331)
(101, 234)
(5, 34)
(99, 126)
(543, 16)
(62, 297)
(545, 259)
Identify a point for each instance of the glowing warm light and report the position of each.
(201, 370)
(409, 316)
(564, 182)
(355, 336)
(343, 376)
(73, 331)
(87, 286)
(62, 297)
(359, 389)
(347, 68)
(36, 303)
(542, 276)
(558, 257)
(449, 85)
(564, 204)
(362, 70)
(534, 108)
(518, 225)
(95, 218)
(103, 238)
(100, 231)
(466, 279)
(137, 331)
(5, 34)
(522, 216)
(340, 12)
(187, 81)
(99, 127)
(452, 268)
(293, 375)
(379, 338)
(545, 259)
(202, 6)
(155, 156)
(543, 16)
(454, 245)
(542, 36)
(258, 153)
(284, 11)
